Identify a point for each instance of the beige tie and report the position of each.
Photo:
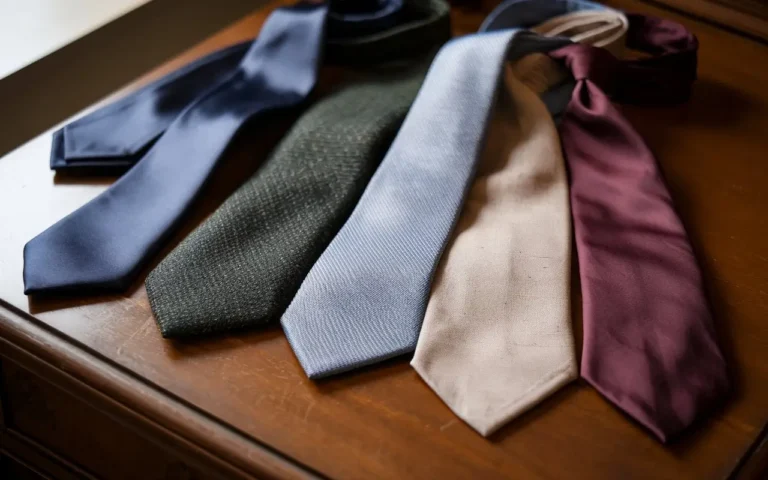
(496, 337)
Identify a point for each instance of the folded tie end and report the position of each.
(334, 355)
(56, 265)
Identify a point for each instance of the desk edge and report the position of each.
(138, 404)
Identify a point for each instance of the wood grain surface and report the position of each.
(245, 400)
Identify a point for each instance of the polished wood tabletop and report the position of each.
(244, 400)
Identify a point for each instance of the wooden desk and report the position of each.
(90, 387)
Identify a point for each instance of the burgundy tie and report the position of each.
(649, 341)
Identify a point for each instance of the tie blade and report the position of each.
(37, 272)
(488, 395)
(328, 345)
(52, 269)
(497, 336)
(649, 342)
(318, 366)
(666, 391)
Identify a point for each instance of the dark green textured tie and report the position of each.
(242, 266)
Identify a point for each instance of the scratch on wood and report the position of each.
(447, 425)
(309, 409)
(142, 327)
(287, 393)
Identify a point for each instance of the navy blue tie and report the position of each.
(113, 138)
(179, 127)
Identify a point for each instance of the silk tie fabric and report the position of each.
(497, 336)
(649, 342)
(364, 299)
(242, 266)
(103, 245)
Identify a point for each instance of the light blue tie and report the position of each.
(364, 299)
